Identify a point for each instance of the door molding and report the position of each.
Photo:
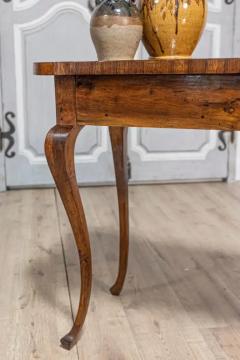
(216, 42)
(215, 6)
(23, 5)
(146, 155)
(20, 30)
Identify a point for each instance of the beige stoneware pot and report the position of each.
(116, 37)
(116, 29)
(172, 28)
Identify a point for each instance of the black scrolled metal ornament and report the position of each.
(221, 137)
(8, 135)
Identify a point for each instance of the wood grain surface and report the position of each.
(160, 101)
(65, 94)
(125, 67)
(119, 141)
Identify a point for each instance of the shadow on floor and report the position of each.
(164, 275)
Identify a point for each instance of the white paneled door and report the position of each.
(53, 30)
(50, 30)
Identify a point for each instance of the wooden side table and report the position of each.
(180, 94)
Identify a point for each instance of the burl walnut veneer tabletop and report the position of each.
(181, 94)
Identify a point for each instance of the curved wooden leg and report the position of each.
(59, 148)
(118, 137)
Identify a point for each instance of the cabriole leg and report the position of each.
(118, 137)
(59, 149)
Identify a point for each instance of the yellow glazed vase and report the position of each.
(172, 28)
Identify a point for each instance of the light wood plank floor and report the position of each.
(181, 300)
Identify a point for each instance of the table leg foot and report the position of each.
(118, 137)
(59, 149)
(116, 289)
(69, 340)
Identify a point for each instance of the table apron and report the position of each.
(159, 101)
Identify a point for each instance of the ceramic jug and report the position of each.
(172, 28)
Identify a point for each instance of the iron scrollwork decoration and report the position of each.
(8, 135)
(229, 2)
(221, 136)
